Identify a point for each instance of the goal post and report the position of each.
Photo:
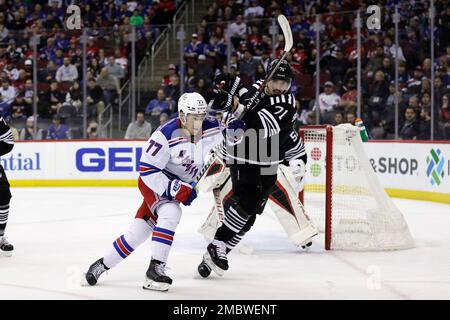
(343, 196)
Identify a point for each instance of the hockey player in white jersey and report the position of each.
(174, 154)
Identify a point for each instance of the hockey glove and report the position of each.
(235, 131)
(220, 100)
(228, 83)
(181, 191)
(298, 172)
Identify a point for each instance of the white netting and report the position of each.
(363, 216)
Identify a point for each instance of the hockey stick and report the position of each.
(254, 100)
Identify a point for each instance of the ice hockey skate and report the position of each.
(6, 248)
(156, 278)
(94, 272)
(216, 257)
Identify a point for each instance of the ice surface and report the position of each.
(59, 232)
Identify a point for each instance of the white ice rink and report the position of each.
(59, 232)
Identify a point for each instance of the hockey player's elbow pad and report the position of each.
(181, 191)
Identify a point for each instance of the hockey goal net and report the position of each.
(343, 196)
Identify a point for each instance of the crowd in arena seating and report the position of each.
(60, 76)
(59, 60)
(249, 22)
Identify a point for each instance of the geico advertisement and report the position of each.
(73, 160)
(411, 166)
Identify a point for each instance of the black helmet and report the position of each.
(283, 72)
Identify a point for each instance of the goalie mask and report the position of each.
(281, 80)
(192, 111)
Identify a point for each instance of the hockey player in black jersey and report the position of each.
(6, 145)
(253, 156)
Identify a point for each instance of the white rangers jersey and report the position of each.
(170, 154)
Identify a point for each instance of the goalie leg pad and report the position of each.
(290, 212)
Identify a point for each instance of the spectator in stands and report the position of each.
(109, 84)
(13, 52)
(19, 84)
(172, 71)
(49, 73)
(150, 33)
(136, 20)
(4, 108)
(410, 127)
(67, 72)
(92, 47)
(92, 130)
(139, 129)
(389, 49)
(52, 22)
(102, 59)
(158, 105)
(350, 118)
(28, 95)
(254, 11)
(376, 62)
(248, 65)
(328, 103)
(260, 72)
(95, 98)
(121, 59)
(203, 70)
(194, 47)
(28, 66)
(11, 70)
(415, 83)
(425, 126)
(311, 118)
(439, 89)
(350, 97)
(201, 87)
(189, 80)
(172, 91)
(338, 66)
(19, 108)
(445, 115)
(48, 52)
(27, 133)
(238, 31)
(216, 49)
(74, 96)
(377, 99)
(55, 98)
(338, 119)
(414, 104)
(58, 59)
(163, 118)
(94, 67)
(57, 130)
(386, 126)
(115, 69)
(7, 92)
